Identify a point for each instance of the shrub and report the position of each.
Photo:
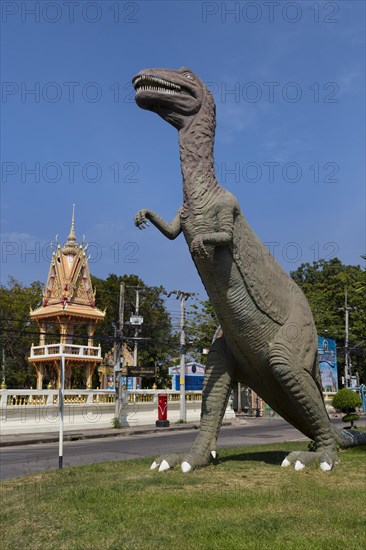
(347, 401)
(116, 423)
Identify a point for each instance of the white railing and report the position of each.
(20, 398)
(37, 411)
(69, 350)
(151, 396)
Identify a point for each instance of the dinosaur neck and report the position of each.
(197, 164)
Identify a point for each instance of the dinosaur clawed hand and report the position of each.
(300, 459)
(188, 463)
(198, 248)
(141, 219)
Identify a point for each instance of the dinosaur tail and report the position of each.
(349, 438)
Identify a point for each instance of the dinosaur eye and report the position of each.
(189, 76)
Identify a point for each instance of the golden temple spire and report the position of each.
(72, 236)
(71, 245)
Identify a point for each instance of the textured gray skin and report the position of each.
(267, 339)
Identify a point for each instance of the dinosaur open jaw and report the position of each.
(169, 94)
(146, 83)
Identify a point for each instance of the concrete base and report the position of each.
(241, 419)
(162, 423)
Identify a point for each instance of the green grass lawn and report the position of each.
(245, 502)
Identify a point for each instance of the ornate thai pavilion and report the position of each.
(67, 318)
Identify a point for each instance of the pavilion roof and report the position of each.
(68, 290)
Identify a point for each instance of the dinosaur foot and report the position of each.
(195, 460)
(190, 462)
(165, 462)
(301, 459)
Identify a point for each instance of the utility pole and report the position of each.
(118, 351)
(117, 377)
(121, 308)
(347, 361)
(347, 374)
(137, 305)
(183, 297)
(239, 406)
(61, 403)
(137, 321)
(3, 384)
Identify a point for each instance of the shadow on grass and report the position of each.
(269, 457)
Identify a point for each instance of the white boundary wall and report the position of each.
(36, 411)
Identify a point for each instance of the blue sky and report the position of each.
(288, 81)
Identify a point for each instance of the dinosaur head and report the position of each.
(175, 95)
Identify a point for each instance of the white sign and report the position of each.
(136, 320)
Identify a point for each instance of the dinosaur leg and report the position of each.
(294, 369)
(215, 395)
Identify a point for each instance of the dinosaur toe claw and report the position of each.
(164, 466)
(325, 467)
(186, 467)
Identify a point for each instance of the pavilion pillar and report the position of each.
(68, 374)
(57, 368)
(40, 374)
(42, 335)
(63, 333)
(89, 376)
(101, 379)
(69, 334)
(91, 330)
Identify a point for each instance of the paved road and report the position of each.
(22, 460)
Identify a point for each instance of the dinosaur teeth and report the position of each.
(155, 89)
(153, 83)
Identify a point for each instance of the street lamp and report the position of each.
(61, 392)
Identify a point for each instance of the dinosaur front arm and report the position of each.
(223, 228)
(222, 237)
(169, 230)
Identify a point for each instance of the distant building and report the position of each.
(106, 370)
(195, 373)
(67, 315)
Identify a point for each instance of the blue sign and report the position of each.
(327, 351)
(130, 382)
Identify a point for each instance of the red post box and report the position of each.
(162, 421)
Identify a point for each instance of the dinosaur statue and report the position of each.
(267, 337)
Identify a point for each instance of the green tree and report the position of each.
(201, 326)
(325, 283)
(17, 331)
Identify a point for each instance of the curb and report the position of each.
(44, 438)
(35, 439)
